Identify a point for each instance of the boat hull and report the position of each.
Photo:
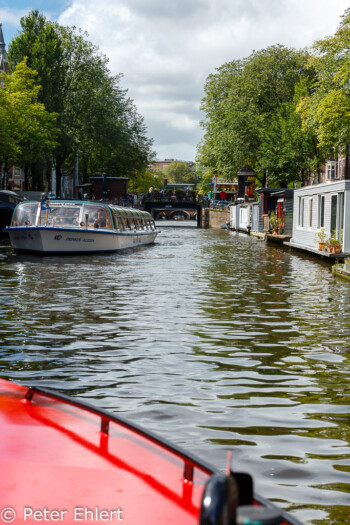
(45, 240)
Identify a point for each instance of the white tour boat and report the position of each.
(71, 227)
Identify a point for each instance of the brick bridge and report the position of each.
(174, 208)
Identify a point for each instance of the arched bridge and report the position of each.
(172, 209)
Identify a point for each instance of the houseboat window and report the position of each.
(337, 214)
(341, 212)
(311, 205)
(321, 201)
(334, 211)
(301, 212)
(25, 214)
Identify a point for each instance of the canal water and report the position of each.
(214, 340)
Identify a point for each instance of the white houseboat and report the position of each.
(323, 207)
(72, 227)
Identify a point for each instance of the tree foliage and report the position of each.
(250, 116)
(27, 130)
(96, 118)
(326, 108)
(179, 173)
(142, 182)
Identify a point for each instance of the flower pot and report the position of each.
(274, 231)
(321, 246)
(333, 249)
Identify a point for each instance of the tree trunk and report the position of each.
(26, 177)
(59, 163)
(347, 165)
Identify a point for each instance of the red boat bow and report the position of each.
(66, 461)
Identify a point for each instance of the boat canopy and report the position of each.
(81, 214)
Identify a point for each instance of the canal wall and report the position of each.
(214, 218)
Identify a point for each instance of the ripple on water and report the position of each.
(214, 340)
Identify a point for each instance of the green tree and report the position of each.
(179, 173)
(326, 108)
(28, 132)
(249, 106)
(289, 152)
(97, 120)
(143, 181)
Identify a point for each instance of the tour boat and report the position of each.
(71, 227)
(63, 460)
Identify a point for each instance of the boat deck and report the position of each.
(64, 463)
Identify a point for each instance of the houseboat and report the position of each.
(65, 460)
(322, 209)
(72, 227)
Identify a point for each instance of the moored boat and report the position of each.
(8, 202)
(71, 227)
(64, 460)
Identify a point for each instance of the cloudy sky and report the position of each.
(167, 48)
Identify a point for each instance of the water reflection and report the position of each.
(212, 339)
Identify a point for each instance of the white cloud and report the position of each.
(10, 17)
(166, 49)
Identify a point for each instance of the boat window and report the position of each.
(129, 224)
(115, 221)
(60, 216)
(25, 214)
(118, 221)
(98, 216)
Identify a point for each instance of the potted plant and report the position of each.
(321, 238)
(280, 226)
(333, 244)
(273, 222)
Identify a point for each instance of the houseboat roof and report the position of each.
(270, 191)
(100, 177)
(328, 185)
(288, 193)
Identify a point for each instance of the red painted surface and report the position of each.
(57, 466)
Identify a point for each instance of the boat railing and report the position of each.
(190, 461)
